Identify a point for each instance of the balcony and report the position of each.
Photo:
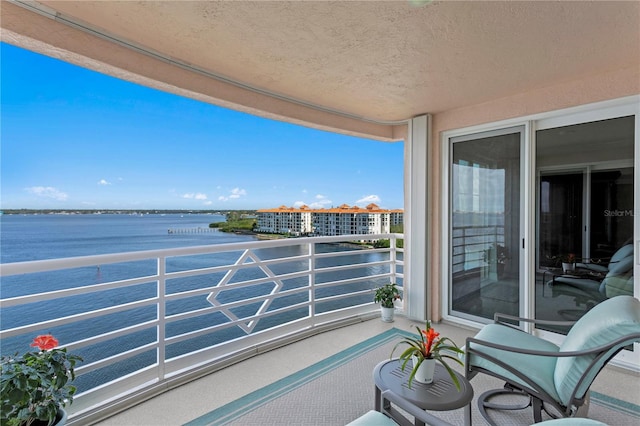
(149, 321)
(192, 400)
(157, 327)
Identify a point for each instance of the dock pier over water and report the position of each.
(199, 230)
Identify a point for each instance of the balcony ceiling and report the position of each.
(381, 61)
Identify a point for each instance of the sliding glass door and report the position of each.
(516, 213)
(541, 219)
(585, 212)
(485, 222)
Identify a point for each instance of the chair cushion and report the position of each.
(607, 321)
(572, 421)
(622, 252)
(586, 284)
(592, 267)
(621, 266)
(373, 418)
(617, 286)
(539, 369)
(583, 289)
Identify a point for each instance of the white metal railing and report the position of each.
(146, 321)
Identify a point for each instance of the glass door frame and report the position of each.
(570, 116)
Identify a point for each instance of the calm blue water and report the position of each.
(38, 237)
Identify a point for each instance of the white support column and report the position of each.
(416, 231)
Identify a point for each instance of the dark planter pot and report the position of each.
(60, 420)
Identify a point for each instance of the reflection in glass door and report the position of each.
(611, 211)
(561, 216)
(485, 224)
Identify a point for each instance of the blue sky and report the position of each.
(75, 139)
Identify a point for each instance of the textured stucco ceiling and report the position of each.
(384, 60)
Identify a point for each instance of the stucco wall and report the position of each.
(613, 85)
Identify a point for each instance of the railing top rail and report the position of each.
(16, 268)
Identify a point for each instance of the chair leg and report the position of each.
(536, 404)
(537, 409)
(484, 403)
(583, 411)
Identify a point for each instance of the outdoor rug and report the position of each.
(340, 388)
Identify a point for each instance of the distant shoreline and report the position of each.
(119, 211)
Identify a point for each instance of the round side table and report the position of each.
(440, 395)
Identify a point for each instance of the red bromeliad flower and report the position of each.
(428, 344)
(431, 335)
(45, 342)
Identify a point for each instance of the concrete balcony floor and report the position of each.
(182, 404)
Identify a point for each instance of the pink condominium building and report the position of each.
(342, 220)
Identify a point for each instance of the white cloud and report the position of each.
(208, 203)
(368, 200)
(321, 202)
(195, 196)
(299, 204)
(234, 193)
(237, 193)
(47, 191)
(103, 182)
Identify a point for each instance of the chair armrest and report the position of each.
(414, 410)
(500, 318)
(557, 354)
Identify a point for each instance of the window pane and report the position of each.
(485, 225)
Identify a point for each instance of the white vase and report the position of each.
(387, 314)
(568, 267)
(425, 371)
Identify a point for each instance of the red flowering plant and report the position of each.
(36, 385)
(428, 344)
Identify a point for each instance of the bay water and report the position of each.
(51, 236)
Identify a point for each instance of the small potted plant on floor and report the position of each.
(424, 350)
(386, 296)
(36, 385)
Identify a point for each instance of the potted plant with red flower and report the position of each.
(568, 261)
(37, 385)
(424, 350)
